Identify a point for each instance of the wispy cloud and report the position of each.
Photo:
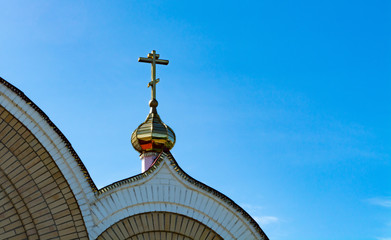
(263, 220)
(381, 238)
(381, 201)
(251, 207)
(255, 212)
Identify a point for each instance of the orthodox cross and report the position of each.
(153, 59)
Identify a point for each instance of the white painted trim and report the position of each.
(53, 143)
(164, 190)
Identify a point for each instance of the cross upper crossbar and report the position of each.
(149, 60)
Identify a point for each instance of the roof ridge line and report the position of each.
(216, 193)
(189, 179)
(134, 178)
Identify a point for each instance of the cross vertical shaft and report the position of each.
(153, 75)
(153, 59)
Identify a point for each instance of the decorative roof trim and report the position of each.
(135, 178)
(189, 179)
(55, 129)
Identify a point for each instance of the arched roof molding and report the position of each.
(56, 144)
(166, 187)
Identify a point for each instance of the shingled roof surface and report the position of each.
(54, 127)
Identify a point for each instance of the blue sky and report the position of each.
(284, 106)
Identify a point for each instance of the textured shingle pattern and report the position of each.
(159, 226)
(53, 141)
(36, 202)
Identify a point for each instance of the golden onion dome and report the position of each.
(153, 135)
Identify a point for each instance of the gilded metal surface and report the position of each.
(153, 135)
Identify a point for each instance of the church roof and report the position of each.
(86, 199)
(21, 94)
(189, 179)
